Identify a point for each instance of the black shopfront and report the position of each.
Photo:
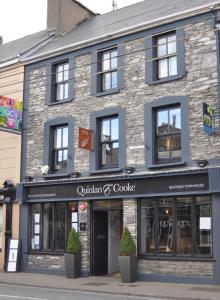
(176, 219)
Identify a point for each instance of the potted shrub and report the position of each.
(127, 258)
(72, 257)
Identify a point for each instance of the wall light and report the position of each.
(75, 174)
(129, 170)
(202, 163)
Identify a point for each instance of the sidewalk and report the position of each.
(113, 285)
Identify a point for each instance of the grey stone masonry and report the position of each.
(130, 216)
(199, 84)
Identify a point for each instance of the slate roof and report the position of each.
(23, 45)
(119, 20)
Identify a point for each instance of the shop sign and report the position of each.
(208, 119)
(10, 113)
(85, 139)
(119, 188)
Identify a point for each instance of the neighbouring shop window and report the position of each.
(1, 227)
(50, 225)
(168, 134)
(176, 226)
(60, 151)
(109, 142)
(61, 85)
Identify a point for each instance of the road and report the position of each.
(13, 292)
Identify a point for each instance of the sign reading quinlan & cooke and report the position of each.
(117, 188)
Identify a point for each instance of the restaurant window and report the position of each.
(168, 134)
(61, 84)
(50, 225)
(176, 226)
(109, 142)
(1, 227)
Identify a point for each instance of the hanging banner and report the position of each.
(85, 138)
(10, 113)
(208, 118)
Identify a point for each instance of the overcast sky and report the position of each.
(23, 17)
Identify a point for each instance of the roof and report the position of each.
(22, 46)
(118, 21)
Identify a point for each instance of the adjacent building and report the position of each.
(121, 128)
(11, 97)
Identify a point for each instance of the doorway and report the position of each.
(106, 232)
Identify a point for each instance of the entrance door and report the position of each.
(100, 243)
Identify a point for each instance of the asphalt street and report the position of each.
(10, 292)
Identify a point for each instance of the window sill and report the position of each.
(168, 165)
(177, 258)
(103, 171)
(59, 102)
(57, 175)
(108, 92)
(166, 79)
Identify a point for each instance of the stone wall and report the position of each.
(178, 268)
(199, 84)
(49, 262)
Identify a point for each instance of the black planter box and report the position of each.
(72, 265)
(128, 268)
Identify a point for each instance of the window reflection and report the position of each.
(109, 74)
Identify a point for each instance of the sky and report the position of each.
(23, 17)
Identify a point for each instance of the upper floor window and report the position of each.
(168, 134)
(109, 142)
(60, 151)
(59, 146)
(61, 81)
(108, 69)
(166, 56)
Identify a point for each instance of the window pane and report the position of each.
(59, 226)
(66, 72)
(48, 227)
(148, 226)
(172, 44)
(162, 68)
(60, 91)
(60, 156)
(35, 226)
(114, 129)
(105, 130)
(66, 90)
(114, 79)
(162, 122)
(175, 145)
(114, 60)
(203, 229)
(172, 65)
(106, 62)
(59, 73)
(115, 151)
(163, 147)
(65, 137)
(165, 238)
(107, 81)
(106, 154)
(58, 138)
(175, 120)
(184, 226)
(65, 156)
(161, 47)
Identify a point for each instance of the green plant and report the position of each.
(73, 242)
(127, 245)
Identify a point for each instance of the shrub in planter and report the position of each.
(127, 258)
(73, 256)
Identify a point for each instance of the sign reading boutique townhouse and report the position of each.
(121, 187)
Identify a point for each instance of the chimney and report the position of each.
(64, 15)
(1, 40)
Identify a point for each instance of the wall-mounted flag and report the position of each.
(208, 118)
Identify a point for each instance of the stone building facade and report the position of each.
(169, 205)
